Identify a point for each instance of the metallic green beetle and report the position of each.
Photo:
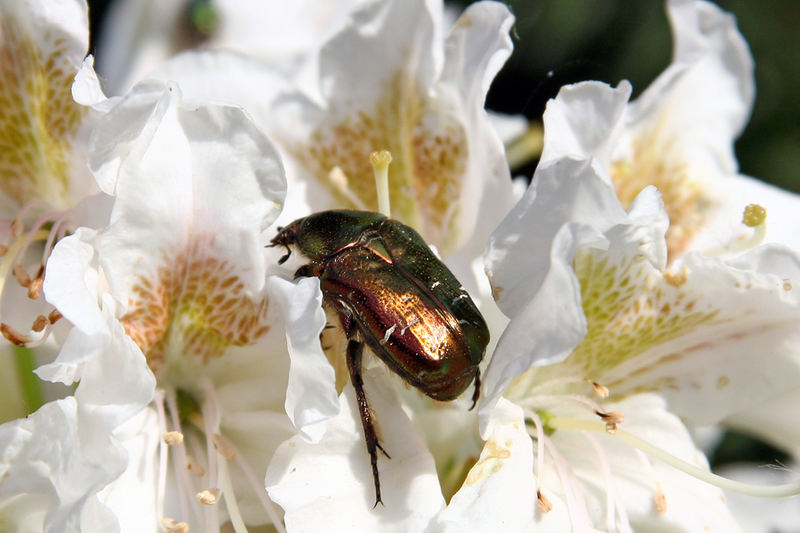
(392, 293)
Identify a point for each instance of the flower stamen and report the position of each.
(380, 167)
(784, 490)
(754, 216)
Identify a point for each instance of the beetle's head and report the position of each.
(286, 237)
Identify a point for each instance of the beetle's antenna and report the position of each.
(380, 165)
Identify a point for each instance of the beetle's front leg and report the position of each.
(354, 351)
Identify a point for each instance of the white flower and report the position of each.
(45, 189)
(388, 80)
(179, 276)
(596, 311)
(678, 135)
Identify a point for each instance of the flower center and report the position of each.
(191, 311)
(656, 160)
(430, 152)
(38, 117)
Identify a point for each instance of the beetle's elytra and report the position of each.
(392, 293)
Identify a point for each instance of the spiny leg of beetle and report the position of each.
(477, 393)
(354, 351)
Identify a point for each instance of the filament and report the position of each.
(774, 491)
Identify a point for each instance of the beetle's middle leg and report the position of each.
(354, 351)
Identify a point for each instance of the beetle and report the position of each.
(393, 294)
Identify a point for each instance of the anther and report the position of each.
(223, 446)
(3, 250)
(21, 275)
(208, 496)
(173, 437)
(194, 467)
(171, 525)
(544, 504)
(39, 323)
(612, 420)
(17, 228)
(35, 288)
(754, 215)
(599, 390)
(13, 335)
(660, 501)
(54, 316)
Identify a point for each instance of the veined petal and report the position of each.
(693, 336)
(42, 46)
(567, 208)
(331, 480)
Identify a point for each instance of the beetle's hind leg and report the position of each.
(354, 351)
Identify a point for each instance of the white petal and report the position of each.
(739, 192)
(71, 282)
(329, 484)
(634, 481)
(86, 89)
(585, 120)
(184, 176)
(311, 392)
(567, 207)
(132, 496)
(52, 465)
(475, 50)
(499, 492)
(709, 86)
(745, 350)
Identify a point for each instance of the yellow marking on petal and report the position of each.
(38, 117)
(722, 382)
(491, 461)
(655, 159)
(630, 308)
(194, 306)
(429, 148)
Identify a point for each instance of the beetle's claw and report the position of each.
(378, 501)
(384, 451)
(477, 393)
